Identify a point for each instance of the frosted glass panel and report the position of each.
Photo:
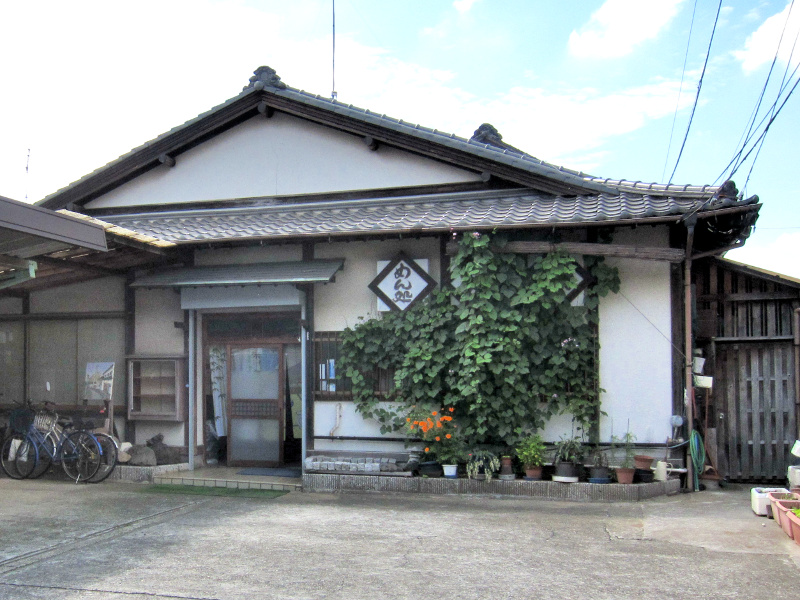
(254, 373)
(254, 439)
(12, 351)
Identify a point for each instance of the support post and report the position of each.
(797, 370)
(688, 344)
(303, 378)
(192, 403)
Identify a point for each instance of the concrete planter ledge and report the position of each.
(545, 490)
(144, 474)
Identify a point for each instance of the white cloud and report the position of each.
(778, 254)
(760, 46)
(619, 26)
(463, 6)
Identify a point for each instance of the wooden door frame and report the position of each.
(254, 342)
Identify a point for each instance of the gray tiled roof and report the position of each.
(266, 81)
(433, 213)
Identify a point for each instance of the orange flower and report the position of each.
(448, 436)
(451, 409)
(439, 424)
(438, 439)
(434, 413)
(427, 449)
(408, 420)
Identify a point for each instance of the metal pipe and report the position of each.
(192, 399)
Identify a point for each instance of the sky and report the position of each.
(606, 87)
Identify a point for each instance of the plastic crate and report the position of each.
(759, 500)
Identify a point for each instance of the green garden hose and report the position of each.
(698, 454)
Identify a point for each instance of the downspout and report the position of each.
(688, 343)
(304, 379)
(192, 403)
(797, 369)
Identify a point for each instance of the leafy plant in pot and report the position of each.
(482, 462)
(569, 453)
(626, 471)
(530, 452)
(443, 442)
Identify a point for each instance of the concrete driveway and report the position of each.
(66, 541)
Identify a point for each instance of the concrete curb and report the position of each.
(144, 474)
(546, 490)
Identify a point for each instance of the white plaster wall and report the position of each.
(253, 254)
(283, 155)
(157, 310)
(339, 305)
(10, 306)
(635, 352)
(351, 422)
(97, 295)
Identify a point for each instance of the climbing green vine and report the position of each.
(504, 346)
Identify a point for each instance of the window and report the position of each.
(331, 384)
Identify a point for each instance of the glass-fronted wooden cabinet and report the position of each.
(157, 388)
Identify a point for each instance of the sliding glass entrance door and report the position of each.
(255, 406)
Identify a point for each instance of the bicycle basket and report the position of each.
(20, 420)
(45, 420)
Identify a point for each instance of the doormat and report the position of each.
(276, 472)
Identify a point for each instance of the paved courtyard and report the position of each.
(66, 541)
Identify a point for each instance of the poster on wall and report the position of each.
(99, 381)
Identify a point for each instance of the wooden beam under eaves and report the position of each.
(673, 255)
(370, 142)
(265, 109)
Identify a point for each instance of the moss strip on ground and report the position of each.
(212, 491)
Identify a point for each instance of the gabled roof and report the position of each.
(266, 93)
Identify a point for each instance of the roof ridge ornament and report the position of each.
(265, 77)
(487, 134)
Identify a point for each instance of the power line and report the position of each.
(697, 97)
(680, 90)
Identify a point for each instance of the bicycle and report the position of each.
(46, 442)
(20, 420)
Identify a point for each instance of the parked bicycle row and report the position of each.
(35, 440)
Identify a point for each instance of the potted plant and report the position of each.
(598, 472)
(443, 445)
(626, 471)
(569, 454)
(530, 452)
(482, 462)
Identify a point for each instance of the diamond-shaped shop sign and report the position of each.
(402, 283)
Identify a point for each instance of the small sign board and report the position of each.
(99, 381)
(402, 283)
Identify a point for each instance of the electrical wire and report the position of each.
(680, 90)
(697, 97)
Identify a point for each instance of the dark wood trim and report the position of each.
(749, 297)
(73, 265)
(166, 159)
(673, 255)
(63, 316)
(746, 340)
(370, 143)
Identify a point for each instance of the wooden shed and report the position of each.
(747, 328)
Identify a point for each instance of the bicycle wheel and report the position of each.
(47, 450)
(80, 456)
(108, 460)
(27, 455)
(8, 455)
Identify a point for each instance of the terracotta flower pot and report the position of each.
(781, 514)
(533, 473)
(506, 465)
(625, 475)
(640, 461)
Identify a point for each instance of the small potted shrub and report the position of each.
(482, 462)
(626, 471)
(568, 456)
(530, 452)
(598, 472)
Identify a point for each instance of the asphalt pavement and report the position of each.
(67, 541)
